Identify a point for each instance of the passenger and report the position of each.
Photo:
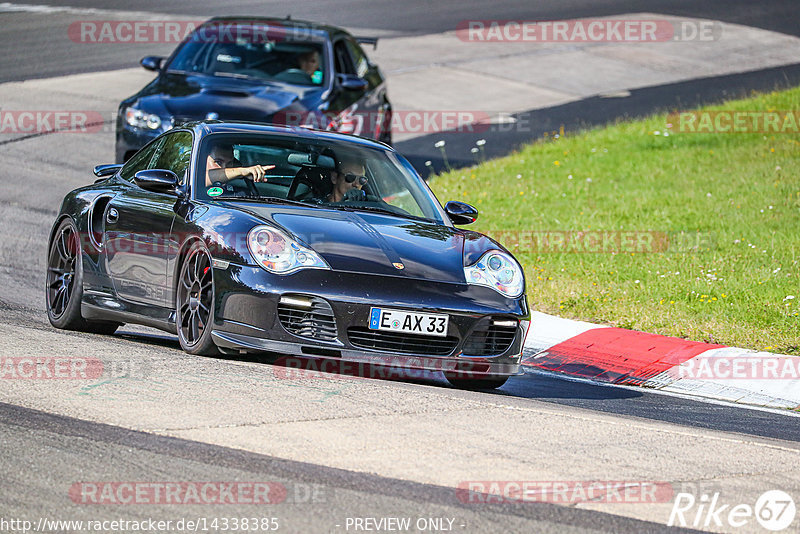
(222, 166)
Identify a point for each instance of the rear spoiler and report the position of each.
(368, 41)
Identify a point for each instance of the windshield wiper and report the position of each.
(377, 209)
(231, 75)
(268, 200)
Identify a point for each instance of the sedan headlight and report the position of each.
(499, 271)
(278, 253)
(140, 119)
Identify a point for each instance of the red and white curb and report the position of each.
(626, 357)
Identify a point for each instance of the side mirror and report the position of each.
(351, 82)
(102, 171)
(157, 180)
(460, 212)
(151, 62)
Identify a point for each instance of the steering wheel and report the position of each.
(249, 188)
(294, 75)
(355, 195)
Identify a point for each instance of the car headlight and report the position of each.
(499, 271)
(278, 253)
(140, 119)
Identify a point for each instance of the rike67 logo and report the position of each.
(774, 510)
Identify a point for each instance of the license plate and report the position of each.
(430, 324)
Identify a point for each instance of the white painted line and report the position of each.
(666, 392)
(9, 7)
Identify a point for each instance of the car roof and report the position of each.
(324, 30)
(208, 127)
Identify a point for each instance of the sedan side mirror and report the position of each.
(151, 62)
(461, 212)
(157, 180)
(351, 82)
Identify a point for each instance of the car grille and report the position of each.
(316, 322)
(487, 339)
(404, 343)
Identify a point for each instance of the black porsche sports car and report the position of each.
(254, 238)
(259, 69)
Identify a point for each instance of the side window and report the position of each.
(139, 161)
(359, 58)
(342, 58)
(175, 154)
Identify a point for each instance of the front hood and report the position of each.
(373, 243)
(194, 97)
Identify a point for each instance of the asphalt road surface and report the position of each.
(343, 447)
(35, 44)
(36, 41)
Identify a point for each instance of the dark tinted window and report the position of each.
(302, 171)
(139, 161)
(281, 54)
(175, 154)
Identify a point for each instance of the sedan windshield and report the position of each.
(321, 173)
(253, 51)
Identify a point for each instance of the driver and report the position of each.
(222, 166)
(309, 62)
(348, 179)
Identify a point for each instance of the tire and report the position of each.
(64, 284)
(194, 302)
(485, 382)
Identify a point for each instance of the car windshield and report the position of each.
(317, 173)
(253, 51)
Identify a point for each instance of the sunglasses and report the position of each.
(350, 178)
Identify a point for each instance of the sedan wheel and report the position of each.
(195, 302)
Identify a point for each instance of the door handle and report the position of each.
(112, 215)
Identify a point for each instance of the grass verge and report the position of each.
(641, 226)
